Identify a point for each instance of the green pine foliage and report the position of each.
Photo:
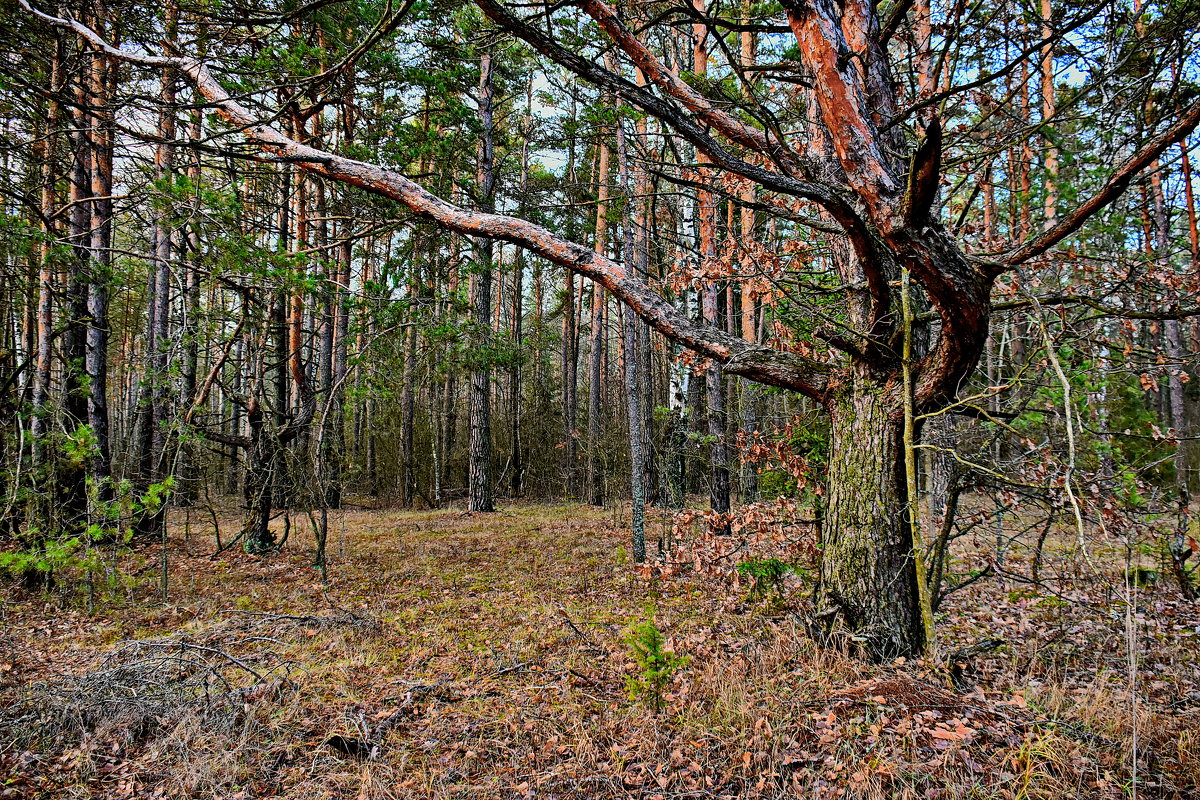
(656, 666)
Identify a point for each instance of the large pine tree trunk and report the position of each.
(867, 573)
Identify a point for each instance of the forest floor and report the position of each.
(453, 655)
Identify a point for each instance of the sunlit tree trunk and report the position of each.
(1049, 110)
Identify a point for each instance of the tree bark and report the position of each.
(189, 464)
(1049, 106)
(1173, 339)
(39, 422)
(867, 574)
(714, 377)
(516, 487)
(408, 485)
(158, 343)
(595, 481)
(750, 394)
(633, 368)
(101, 144)
(479, 478)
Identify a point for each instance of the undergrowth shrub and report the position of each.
(656, 665)
(766, 577)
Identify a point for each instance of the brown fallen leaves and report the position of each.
(486, 657)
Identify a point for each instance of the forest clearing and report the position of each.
(459, 655)
(599, 399)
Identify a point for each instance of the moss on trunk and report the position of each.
(867, 571)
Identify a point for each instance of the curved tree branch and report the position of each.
(670, 114)
(657, 73)
(1112, 189)
(755, 362)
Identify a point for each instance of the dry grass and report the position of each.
(479, 656)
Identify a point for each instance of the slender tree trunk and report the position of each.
(274, 480)
(479, 478)
(714, 378)
(570, 338)
(101, 141)
(633, 367)
(159, 299)
(750, 394)
(408, 484)
(570, 379)
(515, 377)
(288, 481)
(1176, 354)
(595, 481)
(640, 203)
(1049, 106)
(39, 423)
(236, 423)
(450, 426)
(336, 456)
(941, 468)
(189, 480)
(1192, 343)
(637, 447)
(1185, 167)
(260, 458)
(516, 487)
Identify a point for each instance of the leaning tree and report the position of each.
(856, 155)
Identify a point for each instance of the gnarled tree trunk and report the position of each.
(867, 572)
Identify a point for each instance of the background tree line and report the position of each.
(189, 317)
